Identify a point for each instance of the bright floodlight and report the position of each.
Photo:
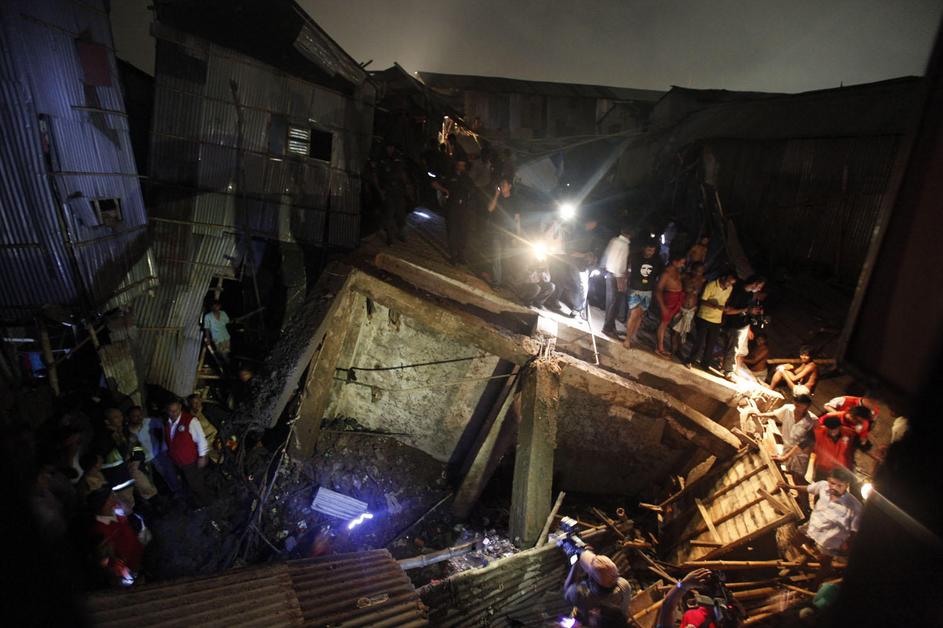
(866, 489)
(540, 251)
(567, 211)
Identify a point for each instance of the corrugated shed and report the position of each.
(357, 589)
(220, 174)
(65, 143)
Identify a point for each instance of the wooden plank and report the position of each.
(730, 515)
(775, 503)
(707, 519)
(697, 543)
(753, 535)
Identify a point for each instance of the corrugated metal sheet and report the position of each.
(498, 84)
(52, 253)
(825, 193)
(521, 590)
(357, 589)
(215, 182)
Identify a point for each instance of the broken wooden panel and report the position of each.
(734, 504)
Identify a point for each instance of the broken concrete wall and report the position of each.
(603, 447)
(427, 406)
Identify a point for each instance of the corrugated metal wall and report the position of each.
(807, 203)
(220, 174)
(63, 143)
(355, 589)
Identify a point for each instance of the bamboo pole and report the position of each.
(48, 358)
(553, 513)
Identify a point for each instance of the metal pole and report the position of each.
(437, 557)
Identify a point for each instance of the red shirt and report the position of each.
(118, 536)
(700, 617)
(847, 402)
(849, 421)
(831, 453)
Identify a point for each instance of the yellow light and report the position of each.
(540, 251)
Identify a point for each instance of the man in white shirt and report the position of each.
(836, 515)
(215, 324)
(149, 433)
(187, 448)
(615, 262)
(794, 419)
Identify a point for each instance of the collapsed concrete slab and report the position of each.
(409, 351)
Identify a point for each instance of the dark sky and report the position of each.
(791, 45)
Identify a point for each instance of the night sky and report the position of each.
(743, 45)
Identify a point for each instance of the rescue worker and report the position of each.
(394, 189)
(187, 448)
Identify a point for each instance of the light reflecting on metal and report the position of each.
(356, 522)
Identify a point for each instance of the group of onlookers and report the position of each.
(102, 476)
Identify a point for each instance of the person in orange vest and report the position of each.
(187, 447)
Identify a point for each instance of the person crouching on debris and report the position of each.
(602, 586)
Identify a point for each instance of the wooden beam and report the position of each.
(697, 543)
(487, 450)
(743, 540)
(536, 441)
(315, 396)
(707, 519)
(780, 507)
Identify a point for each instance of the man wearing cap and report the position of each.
(602, 585)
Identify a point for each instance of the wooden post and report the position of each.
(48, 358)
(536, 441)
(491, 449)
(330, 335)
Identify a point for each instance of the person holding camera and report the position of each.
(600, 585)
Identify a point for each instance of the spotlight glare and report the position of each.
(866, 489)
(540, 251)
(567, 211)
(422, 215)
(568, 622)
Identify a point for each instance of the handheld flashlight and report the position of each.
(540, 250)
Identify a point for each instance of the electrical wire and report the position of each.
(446, 384)
(409, 366)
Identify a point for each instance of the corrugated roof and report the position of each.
(356, 589)
(278, 32)
(503, 85)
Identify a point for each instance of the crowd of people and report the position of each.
(103, 473)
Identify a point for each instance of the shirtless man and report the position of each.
(801, 378)
(756, 360)
(692, 282)
(670, 296)
(698, 253)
